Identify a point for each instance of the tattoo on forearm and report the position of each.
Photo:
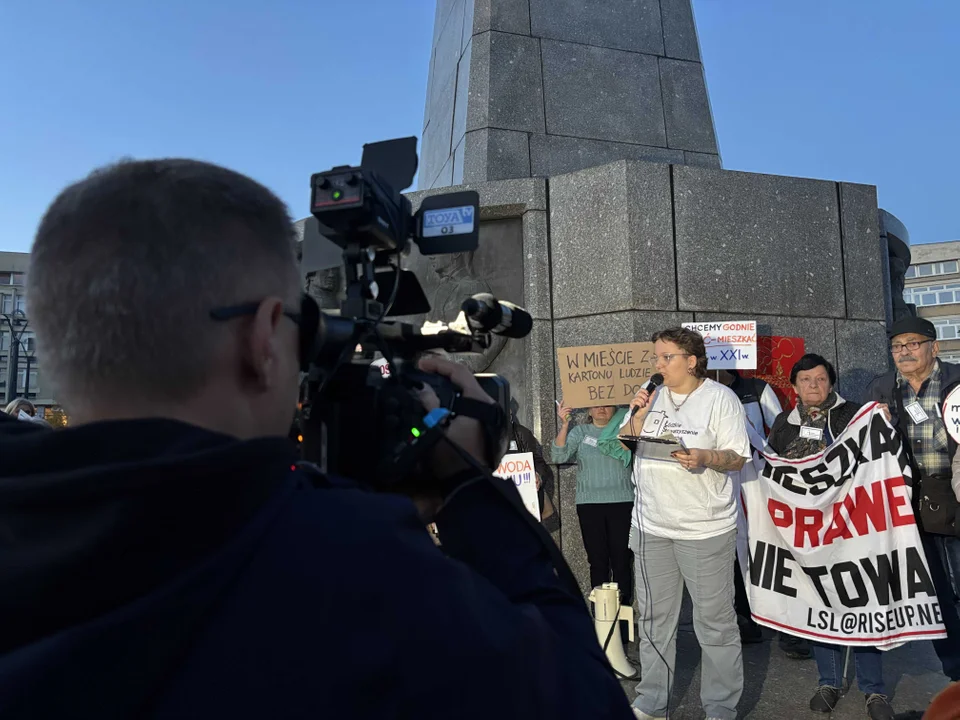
(723, 460)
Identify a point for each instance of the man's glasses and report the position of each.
(307, 319)
(234, 311)
(898, 348)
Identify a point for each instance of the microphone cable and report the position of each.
(638, 511)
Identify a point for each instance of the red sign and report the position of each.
(776, 356)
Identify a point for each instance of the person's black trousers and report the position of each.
(606, 538)
(947, 649)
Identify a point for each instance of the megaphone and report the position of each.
(607, 612)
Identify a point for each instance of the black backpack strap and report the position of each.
(518, 439)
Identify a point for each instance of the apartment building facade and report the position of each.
(933, 285)
(15, 327)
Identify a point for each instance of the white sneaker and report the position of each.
(641, 715)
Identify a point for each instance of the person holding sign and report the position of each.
(686, 517)
(914, 395)
(820, 416)
(805, 428)
(604, 498)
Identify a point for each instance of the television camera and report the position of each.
(356, 420)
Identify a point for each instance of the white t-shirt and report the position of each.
(690, 505)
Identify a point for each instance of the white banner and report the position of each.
(731, 345)
(833, 553)
(518, 467)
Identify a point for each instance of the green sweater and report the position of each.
(600, 478)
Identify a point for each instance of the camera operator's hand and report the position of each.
(464, 431)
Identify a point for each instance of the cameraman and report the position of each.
(164, 557)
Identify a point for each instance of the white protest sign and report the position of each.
(833, 553)
(518, 467)
(951, 413)
(731, 345)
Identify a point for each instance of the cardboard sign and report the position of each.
(731, 345)
(595, 375)
(518, 468)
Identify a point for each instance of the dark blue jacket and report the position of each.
(150, 569)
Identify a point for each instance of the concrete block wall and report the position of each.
(530, 88)
(639, 246)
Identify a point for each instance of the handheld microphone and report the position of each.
(487, 314)
(652, 384)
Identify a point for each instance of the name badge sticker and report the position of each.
(591, 441)
(917, 413)
(811, 433)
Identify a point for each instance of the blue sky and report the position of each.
(857, 90)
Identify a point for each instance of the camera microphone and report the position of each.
(650, 385)
(485, 313)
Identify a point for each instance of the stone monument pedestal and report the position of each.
(614, 253)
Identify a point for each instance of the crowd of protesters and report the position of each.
(683, 534)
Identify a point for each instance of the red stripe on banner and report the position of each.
(866, 408)
(849, 640)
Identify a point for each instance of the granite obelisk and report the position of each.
(531, 88)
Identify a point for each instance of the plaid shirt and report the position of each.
(931, 454)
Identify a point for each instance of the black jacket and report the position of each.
(786, 428)
(527, 442)
(881, 390)
(150, 569)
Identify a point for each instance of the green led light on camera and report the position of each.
(415, 432)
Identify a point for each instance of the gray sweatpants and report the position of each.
(663, 566)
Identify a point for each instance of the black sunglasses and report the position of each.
(234, 311)
(307, 319)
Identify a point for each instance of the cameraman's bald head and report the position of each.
(125, 270)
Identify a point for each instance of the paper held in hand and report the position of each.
(650, 445)
(519, 469)
(730, 345)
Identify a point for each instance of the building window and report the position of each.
(22, 380)
(932, 295)
(30, 344)
(947, 267)
(21, 304)
(4, 341)
(948, 328)
(6, 304)
(950, 357)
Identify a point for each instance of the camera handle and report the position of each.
(361, 292)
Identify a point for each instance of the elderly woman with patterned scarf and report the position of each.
(820, 416)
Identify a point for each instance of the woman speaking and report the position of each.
(686, 515)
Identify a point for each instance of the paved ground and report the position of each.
(776, 687)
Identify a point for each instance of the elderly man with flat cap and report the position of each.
(914, 394)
